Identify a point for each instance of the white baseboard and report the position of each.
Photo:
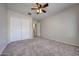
(2, 48)
(74, 44)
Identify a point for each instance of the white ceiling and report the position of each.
(52, 9)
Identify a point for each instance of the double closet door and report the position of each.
(20, 28)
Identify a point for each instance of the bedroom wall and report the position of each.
(3, 27)
(63, 26)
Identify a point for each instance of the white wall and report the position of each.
(62, 27)
(3, 27)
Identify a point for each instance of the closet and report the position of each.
(20, 27)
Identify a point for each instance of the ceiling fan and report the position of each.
(40, 8)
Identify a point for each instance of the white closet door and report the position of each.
(25, 29)
(20, 28)
(15, 29)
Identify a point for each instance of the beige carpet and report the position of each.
(40, 47)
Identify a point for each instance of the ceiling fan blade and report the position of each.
(37, 4)
(44, 11)
(40, 6)
(34, 8)
(46, 5)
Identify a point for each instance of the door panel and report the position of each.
(20, 28)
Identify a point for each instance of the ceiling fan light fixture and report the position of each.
(38, 11)
(40, 8)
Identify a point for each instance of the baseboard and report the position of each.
(74, 44)
(2, 48)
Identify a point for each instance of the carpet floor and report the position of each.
(40, 47)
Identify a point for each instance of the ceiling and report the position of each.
(52, 9)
